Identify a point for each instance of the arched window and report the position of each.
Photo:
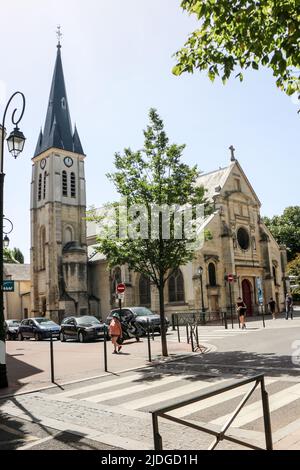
(176, 287)
(145, 290)
(212, 274)
(45, 183)
(73, 185)
(68, 235)
(42, 248)
(64, 183)
(274, 275)
(40, 188)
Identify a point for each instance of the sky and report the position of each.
(117, 58)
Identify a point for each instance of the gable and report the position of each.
(238, 183)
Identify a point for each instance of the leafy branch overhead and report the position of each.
(240, 34)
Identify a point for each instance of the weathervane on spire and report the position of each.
(59, 35)
(232, 150)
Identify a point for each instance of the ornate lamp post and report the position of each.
(15, 142)
(200, 274)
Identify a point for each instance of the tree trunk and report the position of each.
(164, 346)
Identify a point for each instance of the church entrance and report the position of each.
(247, 296)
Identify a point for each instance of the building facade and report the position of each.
(238, 243)
(17, 303)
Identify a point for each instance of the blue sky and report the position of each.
(117, 58)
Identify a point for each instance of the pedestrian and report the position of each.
(272, 307)
(288, 306)
(241, 308)
(115, 332)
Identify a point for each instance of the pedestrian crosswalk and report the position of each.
(209, 335)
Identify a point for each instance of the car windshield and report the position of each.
(13, 323)
(87, 320)
(142, 311)
(44, 321)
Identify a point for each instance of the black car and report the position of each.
(38, 328)
(11, 329)
(140, 315)
(82, 328)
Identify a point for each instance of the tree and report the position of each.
(293, 267)
(242, 34)
(13, 256)
(285, 229)
(152, 177)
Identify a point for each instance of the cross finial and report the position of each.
(232, 149)
(59, 35)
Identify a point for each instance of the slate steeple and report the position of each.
(58, 129)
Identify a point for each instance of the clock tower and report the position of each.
(58, 209)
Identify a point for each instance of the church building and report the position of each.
(68, 276)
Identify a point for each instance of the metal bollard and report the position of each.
(105, 348)
(225, 321)
(51, 359)
(187, 334)
(148, 340)
(178, 331)
(192, 342)
(263, 317)
(173, 322)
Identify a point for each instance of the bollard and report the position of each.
(148, 339)
(263, 317)
(51, 359)
(105, 348)
(225, 321)
(231, 319)
(192, 342)
(187, 334)
(197, 337)
(173, 322)
(178, 331)
(152, 330)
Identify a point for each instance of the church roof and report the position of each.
(58, 128)
(214, 181)
(17, 272)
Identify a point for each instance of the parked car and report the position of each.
(38, 328)
(11, 329)
(140, 315)
(82, 328)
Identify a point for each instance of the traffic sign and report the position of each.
(8, 286)
(230, 277)
(120, 288)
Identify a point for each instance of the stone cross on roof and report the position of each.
(232, 149)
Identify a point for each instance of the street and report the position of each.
(112, 410)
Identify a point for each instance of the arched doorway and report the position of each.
(247, 296)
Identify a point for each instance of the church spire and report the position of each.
(58, 129)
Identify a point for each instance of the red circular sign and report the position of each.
(121, 288)
(230, 277)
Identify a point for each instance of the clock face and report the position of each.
(43, 163)
(68, 161)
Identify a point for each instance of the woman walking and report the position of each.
(115, 332)
(241, 308)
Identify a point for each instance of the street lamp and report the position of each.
(6, 231)
(15, 142)
(200, 274)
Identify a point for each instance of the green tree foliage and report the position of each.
(285, 229)
(18, 255)
(154, 175)
(240, 34)
(13, 256)
(293, 268)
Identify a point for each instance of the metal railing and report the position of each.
(202, 318)
(218, 435)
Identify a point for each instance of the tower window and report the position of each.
(45, 183)
(64, 183)
(40, 188)
(73, 185)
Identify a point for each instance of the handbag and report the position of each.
(120, 340)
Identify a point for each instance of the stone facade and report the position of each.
(239, 244)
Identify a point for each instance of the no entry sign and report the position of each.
(230, 277)
(120, 288)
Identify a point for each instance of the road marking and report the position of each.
(39, 441)
(99, 386)
(162, 396)
(216, 400)
(135, 389)
(254, 411)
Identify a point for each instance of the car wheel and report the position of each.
(37, 336)
(62, 337)
(20, 337)
(81, 338)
